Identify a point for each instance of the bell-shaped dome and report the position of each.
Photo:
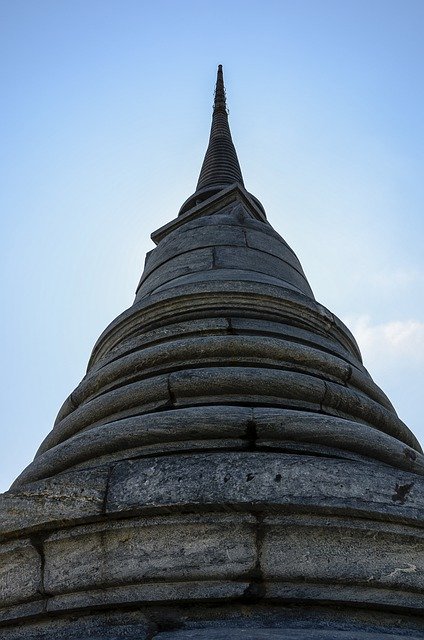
(227, 468)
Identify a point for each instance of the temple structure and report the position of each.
(227, 468)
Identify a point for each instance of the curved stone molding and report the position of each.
(236, 342)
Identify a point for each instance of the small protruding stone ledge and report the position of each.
(54, 502)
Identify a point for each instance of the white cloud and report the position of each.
(393, 353)
(401, 340)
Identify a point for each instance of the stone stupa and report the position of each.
(227, 468)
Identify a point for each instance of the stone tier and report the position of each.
(117, 551)
(225, 348)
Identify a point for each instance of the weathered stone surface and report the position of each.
(100, 626)
(226, 276)
(20, 572)
(139, 397)
(207, 299)
(150, 593)
(297, 334)
(198, 260)
(308, 550)
(347, 402)
(195, 238)
(257, 479)
(246, 384)
(50, 502)
(132, 551)
(255, 260)
(283, 424)
(176, 426)
(18, 612)
(222, 350)
(273, 244)
(277, 634)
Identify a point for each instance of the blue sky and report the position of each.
(105, 117)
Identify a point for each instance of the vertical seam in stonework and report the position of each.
(171, 395)
(349, 374)
(324, 395)
(230, 327)
(106, 495)
(251, 431)
(256, 589)
(37, 542)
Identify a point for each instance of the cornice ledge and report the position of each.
(234, 193)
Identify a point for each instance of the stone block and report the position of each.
(234, 633)
(275, 246)
(20, 572)
(250, 480)
(46, 503)
(224, 275)
(196, 260)
(246, 384)
(184, 239)
(101, 626)
(254, 260)
(141, 551)
(140, 397)
(343, 552)
(134, 436)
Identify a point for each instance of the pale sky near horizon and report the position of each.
(105, 118)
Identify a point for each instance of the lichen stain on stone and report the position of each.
(410, 454)
(401, 492)
(411, 568)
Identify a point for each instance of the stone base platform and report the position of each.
(261, 544)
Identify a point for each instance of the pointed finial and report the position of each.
(220, 166)
(220, 103)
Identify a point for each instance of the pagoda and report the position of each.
(227, 468)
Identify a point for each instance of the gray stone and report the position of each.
(258, 479)
(169, 550)
(171, 428)
(246, 384)
(225, 275)
(50, 502)
(275, 245)
(20, 572)
(386, 556)
(197, 260)
(197, 238)
(139, 397)
(254, 260)
(100, 626)
(296, 426)
(235, 633)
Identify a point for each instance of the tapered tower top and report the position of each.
(220, 167)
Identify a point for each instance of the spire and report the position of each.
(220, 166)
